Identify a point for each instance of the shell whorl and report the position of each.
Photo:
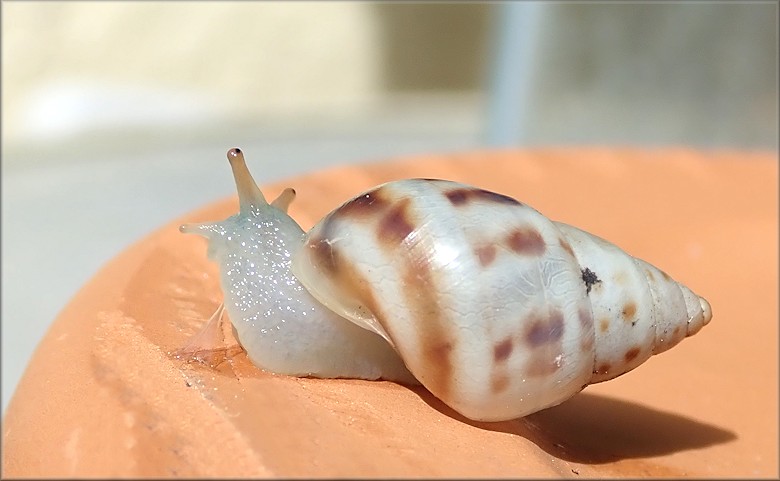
(638, 309)
(488, 302)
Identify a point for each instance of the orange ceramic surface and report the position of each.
(102, 396)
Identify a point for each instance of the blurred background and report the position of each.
(116, 116)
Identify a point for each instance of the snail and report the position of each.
(495, 309)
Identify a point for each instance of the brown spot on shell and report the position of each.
(631, 354)
(629, 310)
(545, 330)
(666, 276)
(395, 226)
(369, 203)
(676, 331)
(543, 363)
(487, 195)
(543, 334)
(502, 350)
(499, 382)
(585, 317)
(438, 361)
(586, 343)
(526, 241)
(457, 196)
(486, 254)
(604, 325)
(586, 324)
(464, 195)
(439, 353)
(603, 369)
(566, 246)
(325, 255)
(649, 274)
(436, 346)
(366, 204)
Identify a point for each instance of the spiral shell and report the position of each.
(497, 310)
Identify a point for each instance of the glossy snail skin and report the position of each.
(280, 325)
(497, 310)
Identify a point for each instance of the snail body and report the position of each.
(497, 310)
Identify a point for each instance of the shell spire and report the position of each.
(638, 309)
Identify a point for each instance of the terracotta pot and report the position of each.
(102, 397)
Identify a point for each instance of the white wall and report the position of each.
(77, 66)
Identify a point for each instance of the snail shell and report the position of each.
(497, 310)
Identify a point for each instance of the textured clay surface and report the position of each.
(103, 397)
